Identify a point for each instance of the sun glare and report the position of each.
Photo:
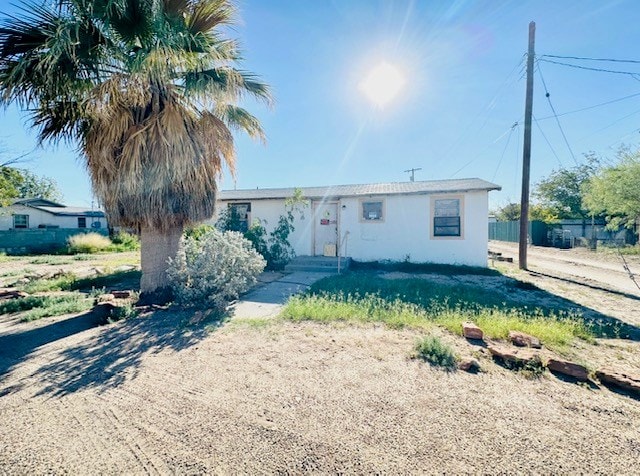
(383, 83)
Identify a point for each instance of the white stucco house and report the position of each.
(34, 213)
(439, 221)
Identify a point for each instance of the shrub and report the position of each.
(88, 243)
(198, 231)
(431, 349)
(214, 269)
(123, 241)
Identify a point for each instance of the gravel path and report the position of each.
(141, 397)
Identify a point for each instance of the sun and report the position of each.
(383, 84)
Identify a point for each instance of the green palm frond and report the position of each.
(240, 119)
(147, 88)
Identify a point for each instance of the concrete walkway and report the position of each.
(268, 300)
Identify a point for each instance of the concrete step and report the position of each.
(317, 264)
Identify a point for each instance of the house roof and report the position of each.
(57, 208)
(37, 202)
(392, 188)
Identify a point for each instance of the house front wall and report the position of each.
(39, 218)
(405, 231)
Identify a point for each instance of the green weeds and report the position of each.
(420, 304)
(431, 349)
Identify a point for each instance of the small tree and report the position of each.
(615, 192)
(561, 192)
(274, 246)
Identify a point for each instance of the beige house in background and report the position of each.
(34, 213)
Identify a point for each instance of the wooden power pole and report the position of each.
(526, 153)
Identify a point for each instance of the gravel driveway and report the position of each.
(141, 397)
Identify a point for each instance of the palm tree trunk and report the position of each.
(156, 248)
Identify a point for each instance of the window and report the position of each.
(21, 221)
(238, 217)
(446, 217)
(372, 210)
(82, 222)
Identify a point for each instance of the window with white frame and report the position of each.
(21, 221)
(446, 217)
(372, 210)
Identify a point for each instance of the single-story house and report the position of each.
(34, 213)
(439, 221)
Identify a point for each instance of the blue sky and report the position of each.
(464, 90)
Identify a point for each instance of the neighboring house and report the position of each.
(440, 221)
(34, 213)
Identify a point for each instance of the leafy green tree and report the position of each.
(615, 192)
(511, 212)
(149, 90)
(561, 192)
(19, 183)
(508, 212)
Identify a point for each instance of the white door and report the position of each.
(325, 216)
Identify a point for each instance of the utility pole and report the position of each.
(526, 153)
(412, 172)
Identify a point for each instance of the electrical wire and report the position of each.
(482, 151)
(547, 141)
(504, 150)
(591, 107)
(583, 58)
(489, 106)
(634, 75)
(555, 114)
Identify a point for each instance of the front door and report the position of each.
(325, 216)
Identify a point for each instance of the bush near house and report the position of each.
(213, 268)
(88, 243)
(274, 247)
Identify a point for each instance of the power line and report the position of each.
(555, 114)
(487, 108)
(591, 107)
(634, 75)
(583, 58)
(547, 141)
(482, 152)
(504, 150)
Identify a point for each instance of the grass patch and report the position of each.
(431, 349)
(415, 303)
(62, 282)
(431, 268)
(629, 250)
(106, 280)
(70, 282)
(349, 308)
(51, 306)
(50, 259)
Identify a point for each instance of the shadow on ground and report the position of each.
(106, 359)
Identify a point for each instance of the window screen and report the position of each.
(21, 221)
(446, 219)
(372, 211)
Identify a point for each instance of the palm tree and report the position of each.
(149, 91)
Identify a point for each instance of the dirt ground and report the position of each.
(595, 280)
(151, 396)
